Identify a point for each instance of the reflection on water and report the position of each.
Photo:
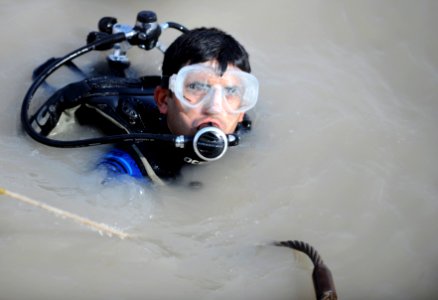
(342, 156)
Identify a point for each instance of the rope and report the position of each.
(100, 227)
(305, 248)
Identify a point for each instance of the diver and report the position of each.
(206, 81)
(189, 115)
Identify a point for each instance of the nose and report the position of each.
(214, 106)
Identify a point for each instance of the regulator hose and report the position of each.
(322, 277)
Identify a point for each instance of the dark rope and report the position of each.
(305, 248)
(322, 277)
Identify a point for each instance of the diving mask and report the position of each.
(200, 85)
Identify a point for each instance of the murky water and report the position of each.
(343, 156)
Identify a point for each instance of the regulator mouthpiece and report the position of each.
(210, 143)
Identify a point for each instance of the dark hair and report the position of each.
(201, 45)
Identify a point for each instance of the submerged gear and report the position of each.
(201, 85)
(118, 161)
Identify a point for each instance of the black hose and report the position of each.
(177, 26)
(111, 39)
(322, 277)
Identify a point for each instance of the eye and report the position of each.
(197, 86)
(232, 91)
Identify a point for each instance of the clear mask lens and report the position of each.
(195, 85)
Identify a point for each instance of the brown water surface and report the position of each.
(343, 155)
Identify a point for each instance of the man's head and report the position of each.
(211, 49)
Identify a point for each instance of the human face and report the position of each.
(201, 85)
(181, 120)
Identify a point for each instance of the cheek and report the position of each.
(180, 121)
(231, 123)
